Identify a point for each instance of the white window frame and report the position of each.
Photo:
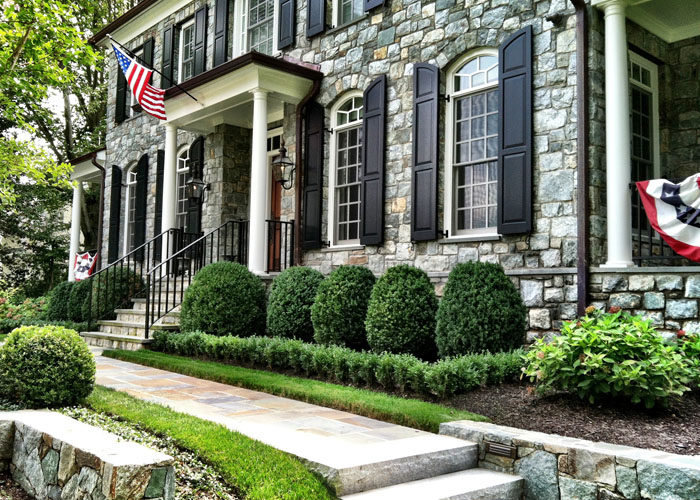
(449, 221)
(180, 51)
(653, 89)
(336, 15)
(332, 215)
(130, 191)
(182, 168)
(240, 28)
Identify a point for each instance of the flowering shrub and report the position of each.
(610, 355)
(15, 309)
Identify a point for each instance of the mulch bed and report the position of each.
(9, 490)
(674, 430)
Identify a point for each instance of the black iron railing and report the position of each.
(115, 285)
(280, 245)
(648, 248)
(166, 281)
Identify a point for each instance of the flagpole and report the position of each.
(144, 63)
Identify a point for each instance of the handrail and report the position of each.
(226, 242)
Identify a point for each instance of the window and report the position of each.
(346, 147)
(347, 11)
(471, 178)
(255, 27)
(183, 173)
(130, 232)
(186, 52)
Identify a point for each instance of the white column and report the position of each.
(75, 228)
(617, 137)
(169, 211)
(258, 184)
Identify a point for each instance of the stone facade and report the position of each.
(52, 456)
(562, 468)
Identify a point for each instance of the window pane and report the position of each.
(492, 98)
(478, 104)
(478, 127)
(478, 218)
(492, 147)
(480, 173)
(477, 149)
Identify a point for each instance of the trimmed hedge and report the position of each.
(46, 366)
(7, 325)
(79, 303)
(289, 303)
(224, 298)
(401, 313)
(57, 308)
(339, 311)
(481, 310)
(392, 372)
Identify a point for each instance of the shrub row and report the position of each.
(7, 325)
(400, 372)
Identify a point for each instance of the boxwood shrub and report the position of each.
(79, 301)
(224, 298)
(392, 372)
(480, 310)
(57, 308)
(340, 308)
(46, 366)
(401, 313)
(289, 304)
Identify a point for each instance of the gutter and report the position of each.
(298, 188)
(582, 144)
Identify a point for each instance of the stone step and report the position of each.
(140, 305)
(136, 329)
(139, 316)
(113, 341)
(472, 484)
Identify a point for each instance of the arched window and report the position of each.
(471, 175)
(346, 160)
(130, 231)
(183, 172)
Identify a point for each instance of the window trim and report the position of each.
(239, 29)
(336, 16)
(448, 185)
(332, 171)
(180, 52)
(178, 171)
(130, 187)
(653, 89)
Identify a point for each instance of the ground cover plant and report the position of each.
(47, 366)
(604, 356)
(481, 310)
(258, 471)
(224, 298)
(340, 307)
(401, 313)
(289, 304)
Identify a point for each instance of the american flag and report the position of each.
(149, 97)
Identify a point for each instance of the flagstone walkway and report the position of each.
(354, 453)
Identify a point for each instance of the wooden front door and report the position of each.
(274, 231)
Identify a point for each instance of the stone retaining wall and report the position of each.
(52, 456)
(561, 468)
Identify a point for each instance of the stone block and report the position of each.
(669, 282)
(692, 287)
(609, 495)
(532, 292)
(7, 438)
(574, 489)
(666, 481)
(49, 467)
(682, 309)
(539, 471)
(627, 482)
(591, 466)
(614, 283)
(540, 319)
(641, 282)
(568, 311)
(625, 300)
(654, 300)
(555, 295)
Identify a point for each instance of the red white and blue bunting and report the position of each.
(84, 265)
(674, 212)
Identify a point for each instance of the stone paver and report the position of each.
(354, 453)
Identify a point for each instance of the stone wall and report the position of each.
(52, 456)
(562, 468)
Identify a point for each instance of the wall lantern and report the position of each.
(194, 189)
(283, 168)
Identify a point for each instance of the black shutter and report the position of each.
(515, 131)
(220, 31)
(140, 205)
(313, 177)
(371, 4)
(287, 22)
(315, 17)
(196, 166)
(115, 212)
(148, 53)
(372, 187)
(158, 220)
(200, 40)
(424, 178)
(168, 56)
(120, 105)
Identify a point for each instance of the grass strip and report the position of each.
(402, 411)
(257, 470)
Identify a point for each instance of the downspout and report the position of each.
(98, 264)
(582, 142)
(299, 183)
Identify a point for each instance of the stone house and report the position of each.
(421, 132)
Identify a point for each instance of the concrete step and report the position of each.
(473, 484)
(112, 341)
(139, 316)
(135, 329)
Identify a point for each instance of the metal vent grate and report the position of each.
(502, 450)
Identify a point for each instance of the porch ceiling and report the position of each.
(84, 170)
(224, 94)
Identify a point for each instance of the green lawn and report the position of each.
(258, 471)
(409, 412)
